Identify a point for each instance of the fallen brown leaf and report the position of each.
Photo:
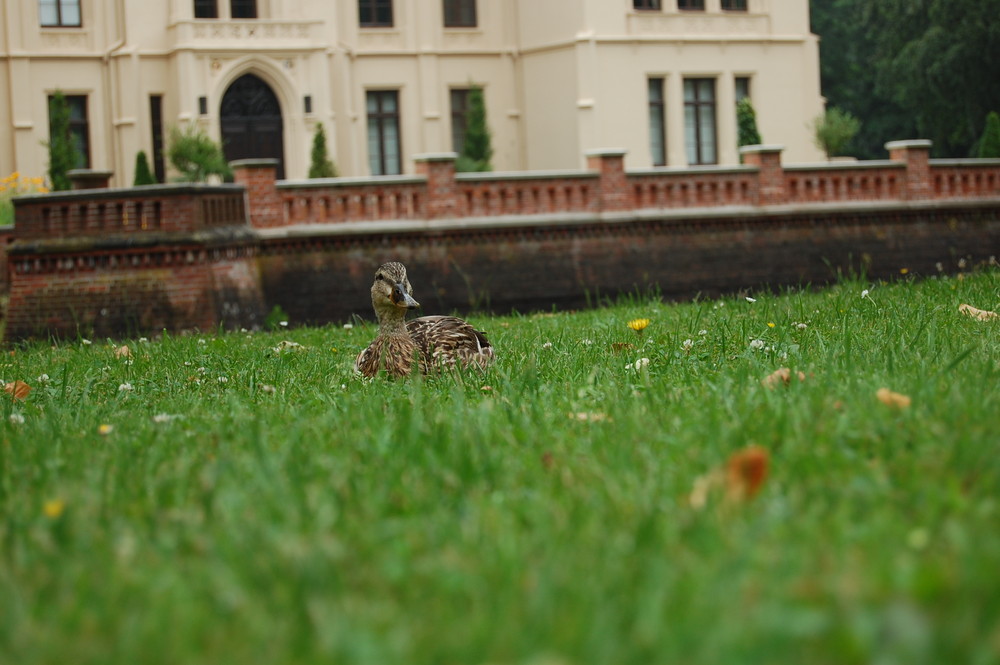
(893, 399)
(123, 352)
(781, 376)
(746, 471)
(980, 314)
(17, 389)
(620, 347)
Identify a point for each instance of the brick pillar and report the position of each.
(259, 176)
(916, 155)
(613, 187)
(89, 178)
(770, 174)
(442, 190)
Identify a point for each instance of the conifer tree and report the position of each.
(322, 166)
(478, 150)
(989, 144)
(195, 155)
(746, 121)
(63, 154)
(143, 176)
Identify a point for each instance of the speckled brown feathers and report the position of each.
(435, 343)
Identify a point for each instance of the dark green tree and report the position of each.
(321, 165)
(63, 153)
(195, 155)
(478, 149)
(143, 176)
(746, 122)
(989, 142)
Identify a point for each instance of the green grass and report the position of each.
(296, 514)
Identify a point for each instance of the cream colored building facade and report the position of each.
(659, 78)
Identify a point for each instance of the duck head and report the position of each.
(391, 289)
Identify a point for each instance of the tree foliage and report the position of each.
(143, 175)
(478, 149)
(321, 166)
(63, 153)
(195, 155)
(989, 143)
(911, 69)
(746, 121)
(834, 130)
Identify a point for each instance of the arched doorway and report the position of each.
(251, 122)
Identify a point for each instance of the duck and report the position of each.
(429, 344)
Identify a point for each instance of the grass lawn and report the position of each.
(232, 499)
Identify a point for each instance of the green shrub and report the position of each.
(834, 130)
(477, 150)
(195, 155)
(989, 143)
(746, 120)
(143, 176)
(321, 165)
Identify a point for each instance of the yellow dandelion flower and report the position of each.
(53, 508)
(14, 176)
(42, 189)
(903, 271)
(37, 181)
(105, 429)
(770, 324)
(638, 325)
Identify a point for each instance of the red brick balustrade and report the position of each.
(770, 177)
(182, 207)
(916, 156)
(545, 192)
(258, 176)
(845, 181)
(694, 187)
(612, 182)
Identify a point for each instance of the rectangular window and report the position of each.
(79, 130)
(691, 5)
(156, 126)
(460, 13)
(734, 5)
(699, 121)
(206, 9)
(59, 13)
(742, 87)
(375, 13)
(384, 145)
(646, 5)
(459, 111)
(657, 123)
(243, 8)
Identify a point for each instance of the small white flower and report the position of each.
(125, 387)
(547, 345)
(800, 326)
(201, 370)
(962, 263)
(161, 418)
(244, 330)
(864, 293)
(687, 344)
(86, 342)
(586, 342)
(940, 266)
(267, 388)
(187, 363)
(638, 365)
(749, 299)
(348, 326)
(283, 324)
(143, 340)
(16, 419)
(343, 386)
(43, 378)
(202, 341)
(702, 332)
(757, 344)
(223, 379)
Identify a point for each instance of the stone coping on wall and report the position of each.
(964, 162)
(360, 181)
(140, 192)
(846, 166)
(494, 176)
(693, 170)
(211, 237)
(584, 219)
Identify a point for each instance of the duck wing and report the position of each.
(444, 341)
(392, 354)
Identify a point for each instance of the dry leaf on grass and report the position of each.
(123, 352)
(17, 389)
(621, 347)
(980, 314)
(741, 478)
(782, 376)
(893, 399)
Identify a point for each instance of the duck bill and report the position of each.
(400, 298)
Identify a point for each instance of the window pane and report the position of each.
(657, 130)
(706, 128)
(206, 9)
(391, 147)
(48, 12)
(243, 8)
(742, 87)
(374, 150)
(691, 134)
(698, 5)
(70, 12)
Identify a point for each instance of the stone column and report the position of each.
(89, 178)
(612, 181)
(770, 174)
(916, 155)
(259, 176)
(442, 189)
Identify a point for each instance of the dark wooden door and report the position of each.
(251, 122)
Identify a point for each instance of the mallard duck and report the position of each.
(433, 342)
